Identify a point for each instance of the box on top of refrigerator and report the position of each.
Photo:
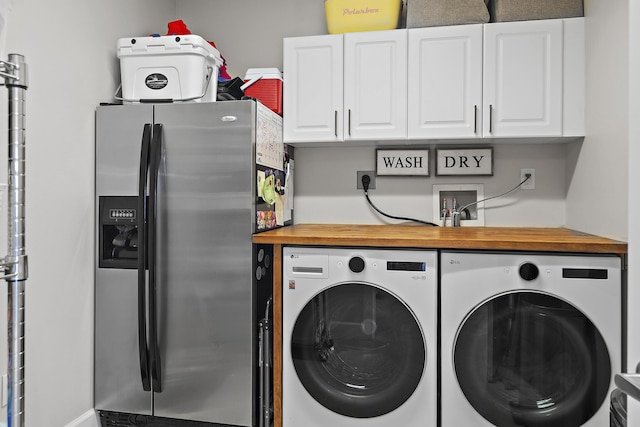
(168, 69)
(265, 84)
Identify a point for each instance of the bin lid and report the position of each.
(264, 73)
(189, 43)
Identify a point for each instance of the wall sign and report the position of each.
(464, 161)
(401, 162)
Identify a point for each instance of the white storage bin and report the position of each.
(168, 69)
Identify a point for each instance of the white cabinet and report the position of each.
(534, 78)
(523, 78)
(345, 87)
(445, 82)
(375, 85)
(313, 89)
(497, 80)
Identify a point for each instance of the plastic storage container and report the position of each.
(524, 10)
(168, 69)
(431, 13)
(265, 84)
(344, 16)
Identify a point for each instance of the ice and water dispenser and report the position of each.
(118, 233)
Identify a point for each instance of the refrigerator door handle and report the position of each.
(143, 350)
(155, 154)
(629, 384)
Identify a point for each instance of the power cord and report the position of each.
(526, 178)
(366, 180)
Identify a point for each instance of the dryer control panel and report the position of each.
(406, 266)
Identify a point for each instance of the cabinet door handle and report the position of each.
(475, 119)
(490, 118)
(335, 123)
(349, 122)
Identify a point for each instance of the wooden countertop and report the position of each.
(422, 236)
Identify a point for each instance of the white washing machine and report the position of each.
(529, 339)
(359, 337)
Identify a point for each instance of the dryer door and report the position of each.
(531, 359)
(358, 350)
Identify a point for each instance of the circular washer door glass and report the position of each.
(531, 359)
(358, 350)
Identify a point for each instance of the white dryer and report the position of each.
(359, 337)
(529, 339)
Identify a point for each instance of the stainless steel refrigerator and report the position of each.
(180, 290)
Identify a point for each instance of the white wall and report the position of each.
(633, 333)
(69, 46)
(326, 187)
(249, 33)
(597, 170)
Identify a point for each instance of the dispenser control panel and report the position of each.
(118, 232)
(116, 214)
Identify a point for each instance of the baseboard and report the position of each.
(88, 419)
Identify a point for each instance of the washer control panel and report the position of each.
(358, 264)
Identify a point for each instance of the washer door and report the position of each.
(358, 350)
(530, 359)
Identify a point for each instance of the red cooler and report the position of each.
(265, 84)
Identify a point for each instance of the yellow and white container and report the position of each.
(344, 16)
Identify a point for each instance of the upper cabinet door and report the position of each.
(313, 86)
(523, 78)
(375, 85)
(445, 82)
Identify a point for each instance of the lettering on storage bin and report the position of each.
(344, 16)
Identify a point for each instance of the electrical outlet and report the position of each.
(372, 183)
(530, 184)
